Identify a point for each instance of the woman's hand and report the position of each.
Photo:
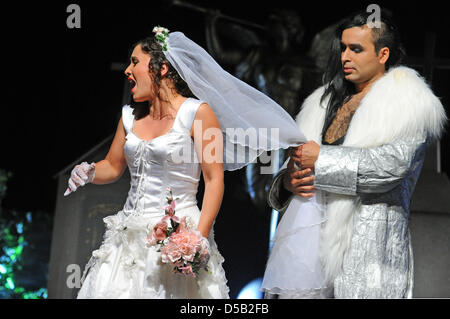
(81, 175)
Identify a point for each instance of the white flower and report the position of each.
(113, 222)
(102, 252)
(128, 261)
(159, 29)
(110, 222)
(161, 35)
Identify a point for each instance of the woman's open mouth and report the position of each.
(132, 83)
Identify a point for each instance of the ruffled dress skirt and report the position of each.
(125, 267)
(294, 269)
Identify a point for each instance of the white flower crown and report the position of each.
(161, 35)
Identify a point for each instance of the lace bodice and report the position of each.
(169, 160)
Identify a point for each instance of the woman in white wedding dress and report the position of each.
(167, 140)
(149, 140)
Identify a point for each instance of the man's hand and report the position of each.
(299, 182)
(305, 155)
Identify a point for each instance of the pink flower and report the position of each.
(159, 231)
(179, 263)
(173, 217)
(188, 252)
(182, 225)
(189, 243)
(170, 209)
(170, 253)
(187, 270)
(185, 249)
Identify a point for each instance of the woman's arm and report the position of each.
(209, 146)
(112, 167)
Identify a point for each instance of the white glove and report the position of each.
(80, 176)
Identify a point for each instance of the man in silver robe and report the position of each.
(368, 128)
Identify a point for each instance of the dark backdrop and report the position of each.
(61, 98)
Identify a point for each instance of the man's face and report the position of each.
(359, 60)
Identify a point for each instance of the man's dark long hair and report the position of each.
(337, 87)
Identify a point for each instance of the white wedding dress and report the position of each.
(123, 266)
(294, 269)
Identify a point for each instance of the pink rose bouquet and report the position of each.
(185, 249)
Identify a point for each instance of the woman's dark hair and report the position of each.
(157, 58)
(337, 87)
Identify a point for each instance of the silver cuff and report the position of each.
(336, 169)
(273, 199)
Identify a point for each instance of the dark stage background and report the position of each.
(61, 97)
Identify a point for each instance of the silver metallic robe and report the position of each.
(378, 260)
